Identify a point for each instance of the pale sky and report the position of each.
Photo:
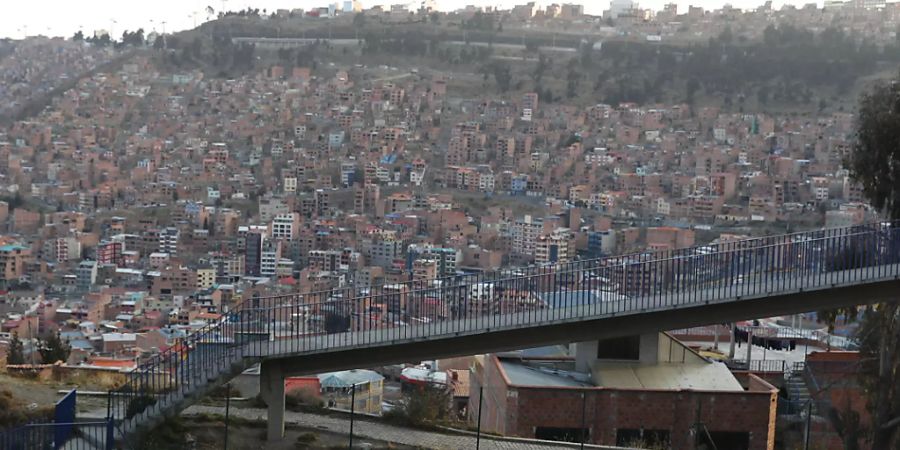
(65, 17)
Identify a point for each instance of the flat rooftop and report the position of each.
(666, 376)
(521, 374)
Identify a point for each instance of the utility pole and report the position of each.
(749, 346)
(732, 340)
(352, 411)
(583, 418)
(33, 346)
(227, 412)
(697, 425)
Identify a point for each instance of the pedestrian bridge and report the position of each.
(351, 327)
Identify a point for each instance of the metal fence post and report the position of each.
(583, 418)
(110, 435)
(808, 423)
(478, 425)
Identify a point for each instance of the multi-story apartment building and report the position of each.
(447, 260)
(12, 261)
(285, 226)
(524, 234)
(86, 275)
(382, 252)
(111, 252)
(253, 253)
(269, 257)
(555, 247)
(332, 260)
(168, 240)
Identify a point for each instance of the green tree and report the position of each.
(104, 40)
(726, 36)
(78, 37)
(573, 80)
(876, 155)
(691, 89)
(426, 405)
(539, 69)
(502, 75)
(873, 164)
(138, 404)
(53, 349)
(586, 53)
(359, 20)
(879, 338)
(16, 201)
(16, 352)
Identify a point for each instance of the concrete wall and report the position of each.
(496, 414)
(248, 384)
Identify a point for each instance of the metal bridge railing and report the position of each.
(350, 317)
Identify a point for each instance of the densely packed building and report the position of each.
(143, 203)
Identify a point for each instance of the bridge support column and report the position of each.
(271, 388)
(585, 355)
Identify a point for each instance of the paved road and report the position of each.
(383, 432)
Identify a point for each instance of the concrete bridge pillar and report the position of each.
(271, 388)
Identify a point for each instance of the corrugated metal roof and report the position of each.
(348, 378)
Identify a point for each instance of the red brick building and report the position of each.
(833, 381)
(655, 400)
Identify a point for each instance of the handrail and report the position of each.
(259, 327)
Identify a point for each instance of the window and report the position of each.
(627, 348)
(562, 434)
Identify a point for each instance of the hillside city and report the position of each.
(152, 183)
